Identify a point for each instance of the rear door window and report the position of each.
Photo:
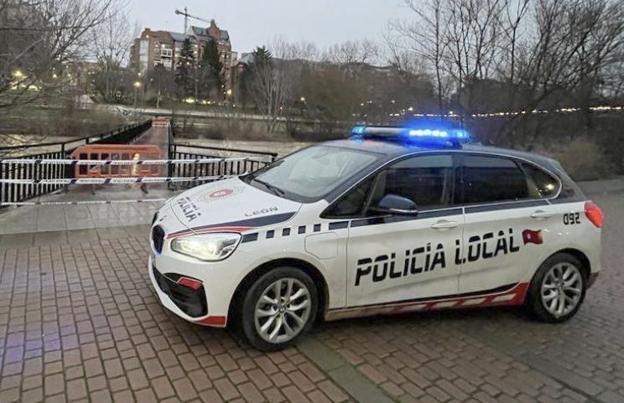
(541, 183)
(489, 179)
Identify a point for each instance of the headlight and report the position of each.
(209, 247)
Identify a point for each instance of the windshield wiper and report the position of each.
(272, 188)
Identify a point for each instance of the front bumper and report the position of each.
(191, 301)
(190, 304)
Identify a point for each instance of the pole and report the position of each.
(185, 19)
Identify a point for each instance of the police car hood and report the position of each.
(230, 205)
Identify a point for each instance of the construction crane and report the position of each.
(187, 16)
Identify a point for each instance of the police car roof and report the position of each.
(394, 149)
(391, 150)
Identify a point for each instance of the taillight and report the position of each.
(594, 214)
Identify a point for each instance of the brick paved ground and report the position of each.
(79, 321)
(500, 354)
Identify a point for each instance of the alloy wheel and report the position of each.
(562, 289)
(282, 310)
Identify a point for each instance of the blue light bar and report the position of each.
(358, 130)
(421, 134)
(439, 134)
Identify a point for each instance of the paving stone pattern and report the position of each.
(79, 321)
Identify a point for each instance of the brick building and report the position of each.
(154, 48)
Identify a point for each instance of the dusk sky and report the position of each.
(255, 22)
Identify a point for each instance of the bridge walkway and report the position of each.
(29, 219)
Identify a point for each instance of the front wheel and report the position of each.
(279, 307)
(558, 288)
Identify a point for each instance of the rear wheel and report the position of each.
(279, 307)
(558, 288)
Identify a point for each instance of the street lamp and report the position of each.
(303, 105)
(136, 85)
(18, 74)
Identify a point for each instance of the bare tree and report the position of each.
(576, 42)
(364, 51)
(38, 36)
(473, 29)
(421, 42)
(111, 41)
(303, 50)
(514, 54)
(272, 76)
(456, 40)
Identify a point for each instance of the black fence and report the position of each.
(15, 192)
(241, 161)
(255, 161)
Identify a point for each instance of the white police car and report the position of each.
(392, 220)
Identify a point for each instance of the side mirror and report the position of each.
(395, 204)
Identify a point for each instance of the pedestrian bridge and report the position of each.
(40, 192)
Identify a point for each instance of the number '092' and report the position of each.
(572, 218)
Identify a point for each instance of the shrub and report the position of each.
(583, 159)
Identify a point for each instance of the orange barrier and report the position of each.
(117, 152)
(160, 122)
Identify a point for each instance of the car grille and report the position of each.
(158, 238)
(191, 302)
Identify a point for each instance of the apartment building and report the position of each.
(153, 48)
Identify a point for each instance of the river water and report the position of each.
(281, 148)
(23, 139)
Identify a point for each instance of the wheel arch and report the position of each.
(580, 255)
(307, 267)
(532, 297)
(587, 269)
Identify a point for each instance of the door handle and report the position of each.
(444, 224)
(541, 215)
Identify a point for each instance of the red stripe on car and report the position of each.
(516, 296)
(215, 321)
(190, 283)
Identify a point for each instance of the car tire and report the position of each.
(280, 306)
(557, 289)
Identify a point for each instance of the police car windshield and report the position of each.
(310, 174)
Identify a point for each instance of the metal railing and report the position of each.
(225, 162)
(258, 159)
(15, 192)
(121, 135)
(10, 192)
